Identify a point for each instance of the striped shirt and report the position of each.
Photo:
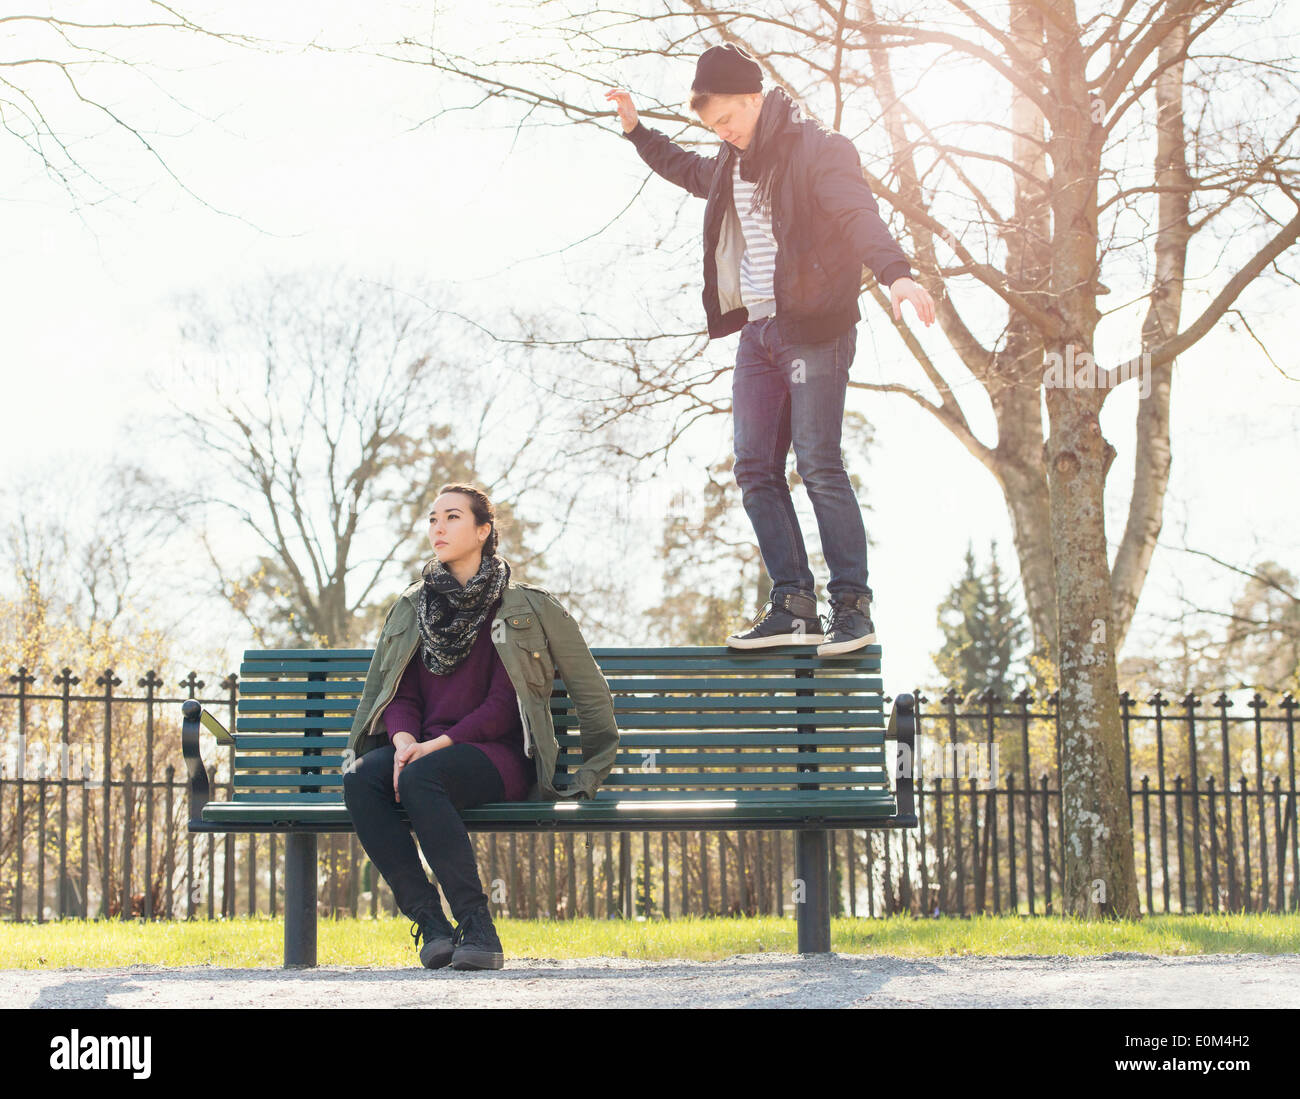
(758, 264)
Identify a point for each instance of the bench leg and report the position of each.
(300, 899)
(812, 867)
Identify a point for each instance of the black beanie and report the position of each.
(727, 70)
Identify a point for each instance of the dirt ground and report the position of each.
(743, 980)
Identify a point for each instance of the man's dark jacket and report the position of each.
(825, 220)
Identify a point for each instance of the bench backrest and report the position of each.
(692, 721)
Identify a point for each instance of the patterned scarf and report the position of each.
(778, 120)
(451, 616)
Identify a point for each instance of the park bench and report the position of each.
(710, 739)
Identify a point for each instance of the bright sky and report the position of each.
(320, 160)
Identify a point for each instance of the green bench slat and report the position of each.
(721, 793)
(868, 685)
(309, 802)
(267, 762)
(296, 654)
(713, 652)
(596, 815)
(631, 780)
(329, 778)
(630, 685)
(680, 652)
(779, 779)
(300, 666)
(296, 705)
(764, 708)
(741, 704)
(291, 741)
(701, 760)
(333, 796)
(678, 760)
(290, 702)
(740, 723)
(791, 779)
(774, 738)
(744, 721)
(685, 669)
(753, 796)
(294, 687)
(684, 659)
(688, 655)
(291, 724)
(286, 742)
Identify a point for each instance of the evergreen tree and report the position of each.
(984, 631)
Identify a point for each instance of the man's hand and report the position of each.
(904, 289)
(626, 112)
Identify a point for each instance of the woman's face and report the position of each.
(452, 530)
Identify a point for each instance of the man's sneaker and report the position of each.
(850, 626)
(477, 945)
(436, 931)
(788, 618)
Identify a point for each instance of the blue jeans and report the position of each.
(794, 393)
(434, 788)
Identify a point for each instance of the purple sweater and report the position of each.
(476, 704)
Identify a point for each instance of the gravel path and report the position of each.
(743, 980)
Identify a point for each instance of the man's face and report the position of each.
(733, 117)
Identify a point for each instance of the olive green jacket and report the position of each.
(534, 636)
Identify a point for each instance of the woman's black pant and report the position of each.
(433, 788)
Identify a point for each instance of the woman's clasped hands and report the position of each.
(409, 750)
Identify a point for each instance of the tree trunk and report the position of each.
(1154, 456)
(1021, 475)
(1100, 874)
(1016, 378)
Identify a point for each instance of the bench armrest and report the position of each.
(196, 718)
(902, 728)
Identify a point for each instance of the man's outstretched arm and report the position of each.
(844, 196)
(677, 165)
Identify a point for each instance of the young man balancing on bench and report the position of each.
(788, 225)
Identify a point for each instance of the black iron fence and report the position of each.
(93, 821)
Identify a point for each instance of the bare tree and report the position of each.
(1263, 635)
(61, 73)
(329, 414)
(1022, 221)
(1254, 642)
(78, 550)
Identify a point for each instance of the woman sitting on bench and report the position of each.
(443, 724)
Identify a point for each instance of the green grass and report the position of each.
(259, 941)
